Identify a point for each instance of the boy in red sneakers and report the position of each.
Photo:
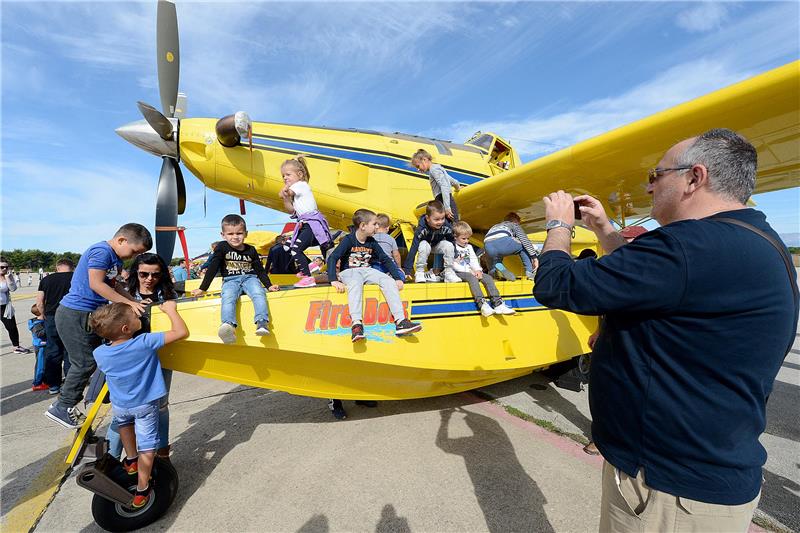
(135, 383)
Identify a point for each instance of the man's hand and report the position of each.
(478, 274)
(399, 284)
(592, 213)
(449, 214)
(338, 285)
(137, 307)
(198, 292)
(559, 206)
(274, 288)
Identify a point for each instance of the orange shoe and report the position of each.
(131, 466)
(40, 386)
(141, 497)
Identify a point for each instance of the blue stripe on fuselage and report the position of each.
(420, 310)
(360, 157)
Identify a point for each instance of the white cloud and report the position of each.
(704, 17)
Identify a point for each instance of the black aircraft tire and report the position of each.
(112, 516)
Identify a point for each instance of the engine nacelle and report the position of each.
(232, 128)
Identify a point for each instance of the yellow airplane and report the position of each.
(309, 351)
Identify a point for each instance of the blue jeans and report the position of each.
(233, 287)
(115, 443)
(499, 248)
(55, 354)
(144, 419)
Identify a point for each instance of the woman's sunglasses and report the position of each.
(149, 274)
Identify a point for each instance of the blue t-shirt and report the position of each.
(99, 256)
(180, 274)
(698, 316)
(132, 369)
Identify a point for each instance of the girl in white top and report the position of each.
(312, 228)
(468, 268)
(7, 286)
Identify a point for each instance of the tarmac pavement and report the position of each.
(254, 459)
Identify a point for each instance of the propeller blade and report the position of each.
(168, 56)
(167, 209)
(157, 121)
(181, 190)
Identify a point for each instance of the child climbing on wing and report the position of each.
(433, 234)
(242, 272)
(441, 182)
(357, 251)
(468, 268)
(135, 383)
(39, 337)
(508, 238)
(312, 228)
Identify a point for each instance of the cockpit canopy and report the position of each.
(499, 153)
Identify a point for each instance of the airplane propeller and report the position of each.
(171, 196)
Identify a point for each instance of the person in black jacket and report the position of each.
(242, 272)
(356, 253)
(434, 233)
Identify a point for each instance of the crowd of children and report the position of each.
(92, 311)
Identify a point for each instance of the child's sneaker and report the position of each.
(131, 466)
(357, 333)
(420, 277)
(450, 276)
(227, 332)
(261, 328)
(21, 349)
(504, 273)
(40, 386)
(337, 409)
(306, 281)
(314, 268)
(53, 390)
(406, 327)
(141, 497)
(503, 309)
(530, 274)
(486, 309)
(66, 416)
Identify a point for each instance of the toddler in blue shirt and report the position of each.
(135, 383)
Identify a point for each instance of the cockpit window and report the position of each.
(481, 140)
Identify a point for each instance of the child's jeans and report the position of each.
(144, 418)
(233, 287)
(115, 443)
(445, 248)
(38, 371)
(355, 279)
(499, 248)
(475, 288)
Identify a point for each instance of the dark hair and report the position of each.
(136, 233)
(434, 206)
(362, 216)
(65, 262)
(512, 217)
(35, 310)
(164, 283)
(105, 321)
(233, 220)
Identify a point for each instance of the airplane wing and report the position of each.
(613, 166)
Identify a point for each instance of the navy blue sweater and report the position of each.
(699, 315)
(355, 254)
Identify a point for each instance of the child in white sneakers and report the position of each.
(242, 272)
(312, 227)
(433, 234)
(355, 254)
(468, 268)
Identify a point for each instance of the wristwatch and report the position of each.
(553, 224)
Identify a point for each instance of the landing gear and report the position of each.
(113, 488)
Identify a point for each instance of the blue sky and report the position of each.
(543, 74)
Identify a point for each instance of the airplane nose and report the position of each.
(142, 135)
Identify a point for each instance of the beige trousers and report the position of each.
(628, 505)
